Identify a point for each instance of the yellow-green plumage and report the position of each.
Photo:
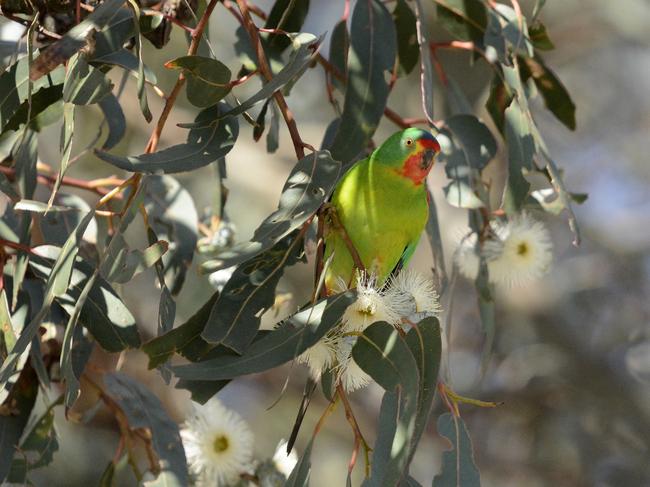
(382, 203)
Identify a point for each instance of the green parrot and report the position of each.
(382, 203)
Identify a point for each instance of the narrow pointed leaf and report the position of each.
(211, 140)
(370, 56)
(307, 187)
(293, 337)
(458, 467)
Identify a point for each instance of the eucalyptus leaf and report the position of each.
(143, 410)
(521, 148)
(289, 340)
(104, 315)
(75, 39)
(458, 467)
(250, 291)
(556, 97)
(20, 402)
(384, 355)
(208, 79)
(309, 184)
(38, 446)
(286, 15)
(464, 19)
(85, 84)
(371, 53)
(114, 117)
(211, 140)
(408, 51)
(185, 339)
(173, 217)
(14, 91)
(142, 94)
(300, 474)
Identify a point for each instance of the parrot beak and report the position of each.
(427, 159)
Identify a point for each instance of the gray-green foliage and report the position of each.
(69, 261)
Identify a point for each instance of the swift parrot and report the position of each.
(381, 202)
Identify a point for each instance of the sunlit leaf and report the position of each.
(85, 84)
(74, 40)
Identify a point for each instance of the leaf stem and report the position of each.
(359, 440)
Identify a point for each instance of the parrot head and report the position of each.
(410, 153)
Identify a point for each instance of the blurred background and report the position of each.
(571, 358)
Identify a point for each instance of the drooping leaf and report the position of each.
(207, 79)
(14, 91)
(46, 109)
(286, 15)
(458, 467)
(174, 218)
(556, 97)
(464, 19)
(371, 54)
(425, 344)
(293, 337)
(143, 410)
(66, 359)
(85, 84)
(142, 94)
(56, 226)
(300, 474)
(104, 315)
(467, 147)
(57, 282)
(37, 448)
(339, 47)
(408, 51)
(74, 40)
(114, 117)
(521, 148)
(16, 410)
(539, 37)
(308, 185)
(125, 59)
(211, 140)
(383, 354)
(185, 339)
(250, 291)
(67, 130)
(201, 391)
(514, 29)
(305, 47)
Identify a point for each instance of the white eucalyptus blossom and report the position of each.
(348, 372)
(415, 293)
(371, 305)
(466, 258)
(320, 356)
(218, 444)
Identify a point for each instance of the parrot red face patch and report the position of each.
(417, 166)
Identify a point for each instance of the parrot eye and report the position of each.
(409, 142)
